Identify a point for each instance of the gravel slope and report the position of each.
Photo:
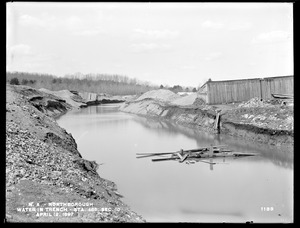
(43, 166)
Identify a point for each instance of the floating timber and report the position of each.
(201, 149)
(206, 155)
(208, 152)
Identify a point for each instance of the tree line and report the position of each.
(100, 83)
(95, 83)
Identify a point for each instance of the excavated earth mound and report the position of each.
(69, 97)
(186, 100)
(160, 95)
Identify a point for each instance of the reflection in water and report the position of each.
(278, 155)
(233, 190)
(109, 115)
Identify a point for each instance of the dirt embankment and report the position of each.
(74, 99)
(259, 121)
(43, 166)
(262, 122)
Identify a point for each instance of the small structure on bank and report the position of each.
(95, 99)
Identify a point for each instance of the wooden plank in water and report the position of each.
(192, 154)
(164, 159)
(207, 155)
(191, 150)
(244, 154)
(182, 158)
(151, 155)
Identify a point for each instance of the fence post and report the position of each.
(217, 121)
(261, 94)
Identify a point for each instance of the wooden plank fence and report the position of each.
(219, 92)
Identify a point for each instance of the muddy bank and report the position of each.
(271, 124)
(43, 166)
(263, 135)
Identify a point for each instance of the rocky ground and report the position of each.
(43, 166)
(269, 114)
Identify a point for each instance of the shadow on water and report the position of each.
(280, 156)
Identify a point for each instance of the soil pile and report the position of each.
(186, 100)
(70, 98)
(159, 95)
(47, 103)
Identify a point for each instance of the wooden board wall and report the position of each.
(219, 92)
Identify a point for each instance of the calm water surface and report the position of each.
(258, 189)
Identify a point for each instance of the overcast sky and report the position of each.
(164, 43)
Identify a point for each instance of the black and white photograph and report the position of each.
(149, 112)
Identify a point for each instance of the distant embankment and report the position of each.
(95, 99)
(188, 111)
(84, 99)
(70, 98)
